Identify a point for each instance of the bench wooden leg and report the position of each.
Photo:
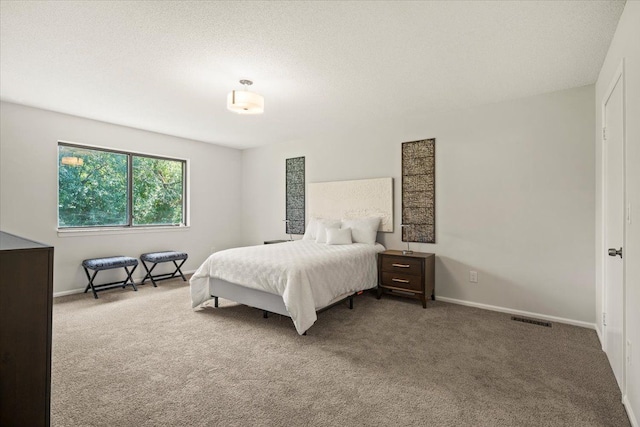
(178, 269)
(129, 278)
(148, 275)
(162, 276)
(95, 288)
(90, 284)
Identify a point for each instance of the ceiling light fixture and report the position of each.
(245, 102)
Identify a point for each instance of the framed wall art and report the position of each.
(419, 191)
(295, 193)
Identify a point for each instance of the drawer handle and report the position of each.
(399, 280)
(401, 265)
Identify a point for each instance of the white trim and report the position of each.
(603, 180)
(81, 290)
(600, 337)
(101, 231)
(630, 414)
(617, 78)
(65, 293)
(121, 150)
(519, 312)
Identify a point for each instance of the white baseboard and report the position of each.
(600, 338)
(65, 293)
(81, 290)
(630, 414)
(518, 312)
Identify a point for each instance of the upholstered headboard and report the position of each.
(353, 199)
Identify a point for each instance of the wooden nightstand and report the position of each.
(410, 275)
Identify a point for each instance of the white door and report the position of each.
(613, 143)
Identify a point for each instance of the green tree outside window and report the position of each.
(94, 187)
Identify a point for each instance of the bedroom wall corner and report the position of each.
(28, 191)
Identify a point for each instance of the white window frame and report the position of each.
(129, 228)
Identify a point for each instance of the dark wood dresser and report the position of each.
(26, 293)
(410, 275)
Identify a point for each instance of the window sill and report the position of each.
(97, 231)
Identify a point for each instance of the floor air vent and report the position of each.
(532, 321)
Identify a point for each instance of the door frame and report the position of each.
(618, 78)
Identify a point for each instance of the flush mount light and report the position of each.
(245, 102)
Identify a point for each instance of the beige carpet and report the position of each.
(147, 359)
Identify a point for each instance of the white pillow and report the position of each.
(339, 236)
(363, 230)
(312, 230)
(323, 225)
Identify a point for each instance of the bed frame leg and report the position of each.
(265, 314)
(351, 302)
(305, 333)
(215, 302)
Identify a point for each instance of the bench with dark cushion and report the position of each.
(108, 263)
(159, 257)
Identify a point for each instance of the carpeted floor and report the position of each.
(147, 359)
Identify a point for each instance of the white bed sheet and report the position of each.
(308, 275)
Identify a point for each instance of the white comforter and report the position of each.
(307, 274)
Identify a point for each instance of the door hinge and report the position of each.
(604, 133)
(604, 319)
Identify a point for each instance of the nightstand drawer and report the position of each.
(402, 265)
(404, 281)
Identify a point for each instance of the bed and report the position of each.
(294, 279)
(299, 278)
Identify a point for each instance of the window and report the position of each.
(105, 188)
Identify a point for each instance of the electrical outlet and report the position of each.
(628, 352)
(473, 276)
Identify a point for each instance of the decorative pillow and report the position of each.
(323, 225)
(312, 230)
(339, 236)
(363, 230)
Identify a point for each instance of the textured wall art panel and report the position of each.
(295, 195)
(353, 199)
(419, 191)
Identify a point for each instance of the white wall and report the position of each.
(625, 44)
(514, 196)
(28, 191)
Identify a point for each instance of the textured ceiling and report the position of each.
(322, 66)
